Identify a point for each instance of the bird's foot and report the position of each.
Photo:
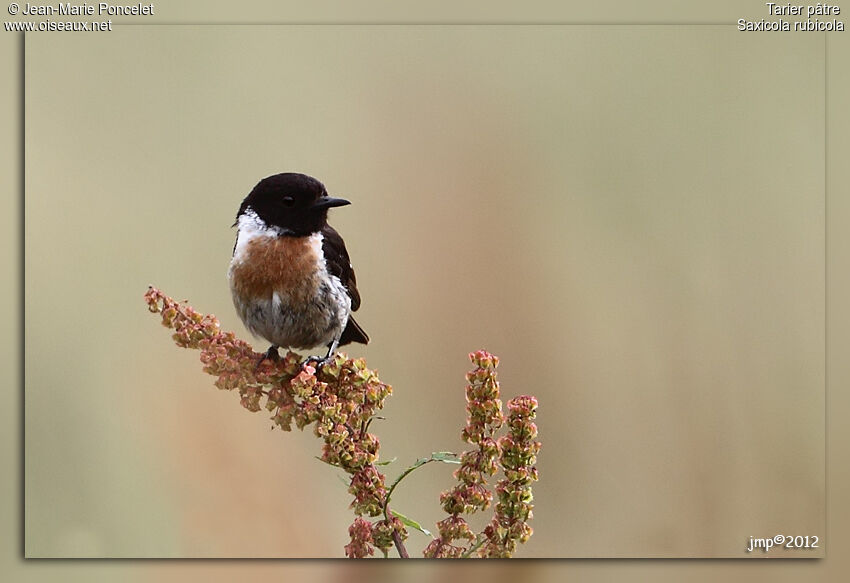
(319, 361)
(270, 354)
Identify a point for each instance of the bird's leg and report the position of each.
(270, 354)
(322, 361)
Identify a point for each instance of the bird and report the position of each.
(290, 276)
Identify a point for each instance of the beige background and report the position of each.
(637, 231)
(637, 365)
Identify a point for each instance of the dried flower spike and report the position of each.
(361, 544)
(339, 403)
(518, 455)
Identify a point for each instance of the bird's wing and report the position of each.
(338, 263)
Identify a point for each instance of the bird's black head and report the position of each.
(296, 203)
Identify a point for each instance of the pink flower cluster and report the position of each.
(361, 544)
(484, 418)
(339, 401)
(514, 453)
(518, 455)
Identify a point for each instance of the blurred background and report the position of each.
(632, 218)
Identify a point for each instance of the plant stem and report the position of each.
(435, 457)
(473, 548)
(418, 464)
(399, 545)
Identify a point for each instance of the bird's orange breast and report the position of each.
(286, 265)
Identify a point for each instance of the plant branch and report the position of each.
(399, 545)
(468, 553)
(340, 401)
(439, 456)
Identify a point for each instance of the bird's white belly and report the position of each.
(300, 324)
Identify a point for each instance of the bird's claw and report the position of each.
(319, 360)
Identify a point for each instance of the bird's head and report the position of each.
(296, 204)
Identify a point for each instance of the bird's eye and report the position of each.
(288, 201)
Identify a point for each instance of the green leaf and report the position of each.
(410, 522)
(386, 462)
(446, 457)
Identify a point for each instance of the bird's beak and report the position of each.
(328, 202)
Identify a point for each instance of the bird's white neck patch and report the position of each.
(250, 227)
(316, 241)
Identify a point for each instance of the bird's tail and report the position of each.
(353, 333)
